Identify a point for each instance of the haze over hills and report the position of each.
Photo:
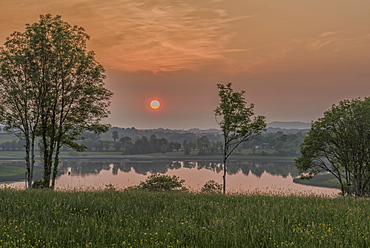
(192, 134)
(289, 125)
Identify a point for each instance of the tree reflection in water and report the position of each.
(245, 176)
(87, 167)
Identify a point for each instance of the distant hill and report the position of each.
(289, 125)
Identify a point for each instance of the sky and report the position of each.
(294, 59)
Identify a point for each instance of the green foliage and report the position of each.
(51, 87)
(39, 218)
(158, 182)
(110, 187)
(187, 147)
(238, 123)
(279, 143)
(38, 184)
(115, 136)
(339, 143)
(211, 187)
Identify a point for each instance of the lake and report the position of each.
(244, 176)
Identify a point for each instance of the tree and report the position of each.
(339, 143)
(237, 122)
(154, 143)
(203, 144)
(142, 146)
(115, 136)
(57, 89)
(187, 147)
(177, 146)
(125, 139)
(19, 111)
(174, 146)
(117, 145)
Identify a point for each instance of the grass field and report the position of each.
(42, 218)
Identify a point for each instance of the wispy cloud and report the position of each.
(331, 33)
(162, 35)
(338, 40)
(324, 40)
(141, 35)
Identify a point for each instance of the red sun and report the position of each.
(155, 104)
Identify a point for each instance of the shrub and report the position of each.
(211, 187)
(38, 184)
(110, 187)
(158, 182)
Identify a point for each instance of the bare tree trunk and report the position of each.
(28, 163)
(56, 164)
(32, 159)
(224, 176)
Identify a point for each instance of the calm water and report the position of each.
(243, 176)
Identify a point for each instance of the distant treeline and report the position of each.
(282, 144)
(195, 141)
(201, 142)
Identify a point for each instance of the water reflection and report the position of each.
(242, 175)
(87, 167)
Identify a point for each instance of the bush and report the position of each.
(38, 184)
(158, 182)
(211, 187)
(110, 187)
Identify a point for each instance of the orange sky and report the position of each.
(293, 58)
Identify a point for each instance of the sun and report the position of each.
(155, 104)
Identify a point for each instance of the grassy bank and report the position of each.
(322, 180)
(38, 218)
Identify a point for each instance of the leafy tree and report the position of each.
(142, 146)
(91, 136)
(163, 145)
(51, 87)
(339, 143)
(203, 145)
(176, 146)
(99, 145)
(127, 145)
(125, 139)
(187, 147)
(154, 143)
(117, 146)
(106, 144)
(19, 111)
(237, 122)
(115, 136)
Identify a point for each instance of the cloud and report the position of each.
(140, 35)
(324, 39)
(162, 35)
(330, 33)
(336, 41)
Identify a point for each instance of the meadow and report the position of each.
(132, 218)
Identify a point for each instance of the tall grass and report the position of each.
(42, 218)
